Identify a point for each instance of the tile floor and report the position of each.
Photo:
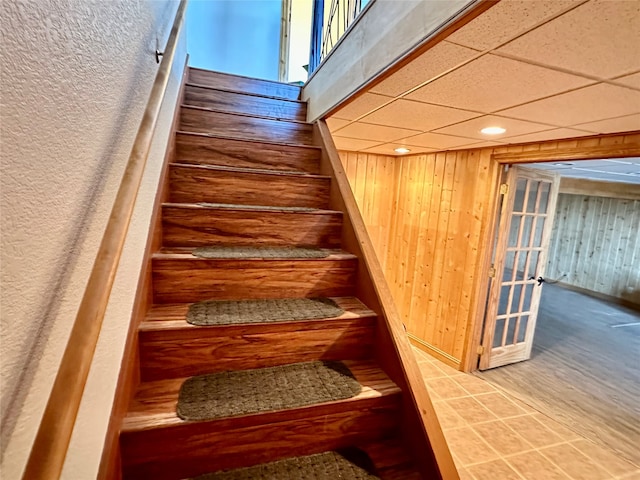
(493, 436)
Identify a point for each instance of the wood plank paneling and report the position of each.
(428, 230)
(595, 245)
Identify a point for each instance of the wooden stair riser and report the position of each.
(194, 119)
(197, 226)
(197, 350)
(193, 280)
(243, 84)
(201, 149)
(209, 446)
(194, 185)
(234, 102)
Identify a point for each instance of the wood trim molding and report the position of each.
(577, 153)
(434, 351)
(49, 449)
(394, 351)
(129, 376)
(596, 188)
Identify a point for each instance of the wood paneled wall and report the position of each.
(427, 216)
(596, 244)
(431, 219)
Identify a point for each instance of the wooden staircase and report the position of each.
(245, 169)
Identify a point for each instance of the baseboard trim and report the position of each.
(435, 352)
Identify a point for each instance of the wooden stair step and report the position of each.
(244, 84)
(201, 148)
(193, 225)
(242, 102)
(171, 347)
(156, 443)
(180, 277)
(251, 127)
(214, 184)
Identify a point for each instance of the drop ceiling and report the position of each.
(541, 69)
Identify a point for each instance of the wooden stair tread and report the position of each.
(240, 92)
(249, 208)
(255, 171)
(245, 84)
(173, 316)
(154, 405)
(184, 253)
(242, 114)
(248, 140)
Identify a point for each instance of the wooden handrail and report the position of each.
(416, 392)
(49, 449)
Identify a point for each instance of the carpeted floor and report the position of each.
(236, 312)
(242, 392)
(584, 370)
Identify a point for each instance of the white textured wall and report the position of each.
(76, 75)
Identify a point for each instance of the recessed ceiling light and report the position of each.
(402, 150)
(567, 164)
(493, 130)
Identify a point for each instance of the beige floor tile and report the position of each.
(445, 387)
(606, 458)
(535, 432)
(448, 416)
(494, 470)
(563, 432)
(533, 466)
(464, 474)
(574, 463)
(430, 370)
(632, 476)
(471, 410)
(500, 405)
(504, 440)
(474, 385)
(468, 447)
(450, 371)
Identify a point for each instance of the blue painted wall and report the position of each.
(235, 36)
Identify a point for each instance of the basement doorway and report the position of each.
(562, 323)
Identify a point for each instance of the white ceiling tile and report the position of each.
(493, 83)
(478, 145)
(471, 128)
(632, 80)
(589, 104)
(336, 123)
(361, 105)
(554, 134)
(380, 133)
(417, 115)
(506, 20)
(389, 149)
(437, 141)
(433, 62)
(613, 125)
(343, 143)
(600, 38)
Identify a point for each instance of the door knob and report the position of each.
(540, 280)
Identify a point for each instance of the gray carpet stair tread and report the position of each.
(244, 392)
(238, 312)
(321, 466)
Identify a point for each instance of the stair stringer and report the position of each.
(422, 432)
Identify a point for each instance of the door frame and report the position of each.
(610, 146)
